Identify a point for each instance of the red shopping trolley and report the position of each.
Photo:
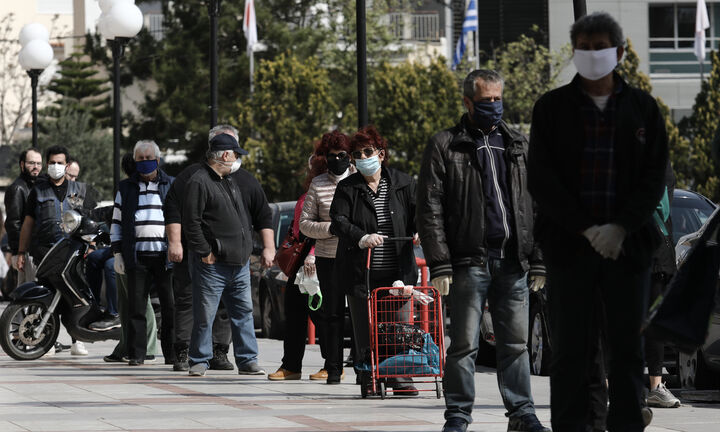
(406, 337)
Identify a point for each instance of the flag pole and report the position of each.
(251, 54)
(477, 35)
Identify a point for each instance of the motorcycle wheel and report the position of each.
(17, 324)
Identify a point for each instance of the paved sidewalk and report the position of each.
(68, 393)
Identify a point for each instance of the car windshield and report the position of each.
(688, 215)
(286, 218)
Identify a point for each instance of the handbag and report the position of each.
(291, 253)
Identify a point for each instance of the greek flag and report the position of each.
(469, 25)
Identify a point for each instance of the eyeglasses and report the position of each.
(367, 151)
(341, 155)
(33, 163)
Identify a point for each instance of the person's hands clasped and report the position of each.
(370, 241)
(608, 240)
(309, 265)
(442, 284)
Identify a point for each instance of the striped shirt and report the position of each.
(149, 221)
(384, 257)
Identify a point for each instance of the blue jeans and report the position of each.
(101, 262)
(210, 284)
(503, 283)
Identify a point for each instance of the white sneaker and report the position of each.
(51, 352)
(78, 349)
(661, 397)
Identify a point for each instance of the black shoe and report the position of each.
(135, 362)
(251, 369)
(402, 387)
(526, 423)
(60, 347)
(113, 359)
(181, 359)
(334, 378)
(220, 360)
(106, 324)
(455, 424)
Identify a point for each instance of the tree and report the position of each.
(292, 106)
(529, 69)
(408, 104)
(14, 84)
(678, 145)
(79, 90)
(91, 147)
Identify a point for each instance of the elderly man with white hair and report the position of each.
(140, 248)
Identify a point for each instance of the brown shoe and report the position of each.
(319, 375)
(284, 374)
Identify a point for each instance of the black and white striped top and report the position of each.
(149, 221)
(384, 257)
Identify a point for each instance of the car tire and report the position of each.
(539, 349)
(269, 318)
(694, 373)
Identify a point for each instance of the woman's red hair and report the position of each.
(368, 136)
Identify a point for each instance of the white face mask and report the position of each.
(594, 65)
(55, 171)
(234, 165)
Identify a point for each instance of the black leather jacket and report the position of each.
(15, 197)
(451, 204)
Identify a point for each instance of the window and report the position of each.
(672, 37)
(426, 27)
(154, 24)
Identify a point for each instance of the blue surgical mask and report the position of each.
(146, 166)
(487, 114)
(369, 166)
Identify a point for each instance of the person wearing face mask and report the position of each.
(45, 205)
(596, 168)
(218, 230)
(256, 205)
(374, 203)
(139, 247)
(334, 149)
(475, 219)
(16, 196)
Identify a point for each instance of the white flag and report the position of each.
(249, 24)
(701, 23)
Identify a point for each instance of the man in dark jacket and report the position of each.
(598, 153)
(256, 205)
(218, 231)
(15, 197)
(475, 219)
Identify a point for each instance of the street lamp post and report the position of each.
(214, 14)
(36, 55)
(119, 22)
(361, 64)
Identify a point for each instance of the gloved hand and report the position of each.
(442, 284)
(370, 241)
(590, 233)
(536, 283)
(608, 240)
(119, 265)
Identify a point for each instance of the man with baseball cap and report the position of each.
(218, 230)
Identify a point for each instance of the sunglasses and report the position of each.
(341, 155)
(367, 151)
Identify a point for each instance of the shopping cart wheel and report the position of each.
(382, 390)
(438, 389)
(364, 384)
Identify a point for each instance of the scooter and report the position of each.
(30, 324)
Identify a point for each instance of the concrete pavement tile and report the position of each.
(251, 422)
(158, 422)
(7, 426)
(65, 423)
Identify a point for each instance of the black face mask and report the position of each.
(338, 166)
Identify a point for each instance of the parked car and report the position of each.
(688, 213)
(701, 369)
(268, 285)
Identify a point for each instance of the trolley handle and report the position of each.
(369, 255)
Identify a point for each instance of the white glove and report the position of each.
(608, 240)
(119, 264)
(442, 284)
(370, 241)
(536, 283)
(590, 233)
(13, 261)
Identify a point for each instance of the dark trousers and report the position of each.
(296, 318)
(147, 272)
(592, 296)
(331, 315)
(654, 349)
(182, 291)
